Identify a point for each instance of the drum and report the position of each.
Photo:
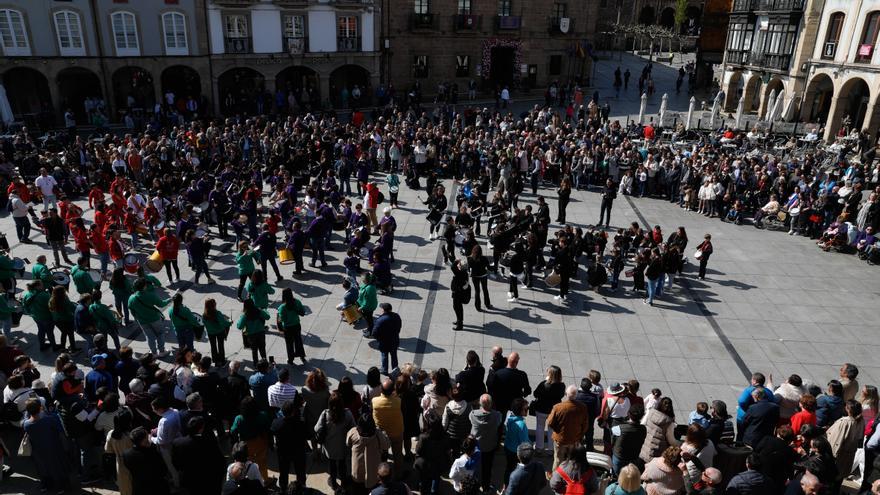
(154, 262)
(339, 224)
(285, 256)
(97, 278)
(159, 226)
(794, 211)
(202, 230)
(365, 253)
(17, 311)
(781, 216)
(461, 235)
(352, 314)
(142, 229)
(60, 278)
(203, 207)
(130, 262)
(553, 279)
(18, 267)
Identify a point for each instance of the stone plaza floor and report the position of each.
(771, 303)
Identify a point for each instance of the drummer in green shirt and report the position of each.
(7, 273)
(62, 309)
(259, 290)
(41, 272)
(144, 305)
(122, 289)
(184, 322)
(105, 319)
(246, 260)
(367, 302)
(288, 324)
(152, 282)
(35, 302)
(82, 279)
(253, 324)
(217, 327)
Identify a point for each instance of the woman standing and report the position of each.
(291, 433)
(288, 324)
(183, 322)
(244, 259)
(252, 322)
(217, 327)
(547, 394)
(393, 186)
(122, 289)
(183, 373)
(330, 431)
(46, 435)
(437, 392)
(515, 433)
(252, 427)
(662, 475)
(259, 290)
(367, 444)
(118, 442)
(316, 394)
(62, 310)
(105, 320)
(660, 423)
(654, 274)
(168, 247)
(564, 194)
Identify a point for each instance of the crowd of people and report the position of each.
(236, 185)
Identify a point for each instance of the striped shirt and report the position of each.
(279, 393)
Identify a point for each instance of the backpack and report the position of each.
(380, 198)
(578, 487)
(9, 412)
(83, 321)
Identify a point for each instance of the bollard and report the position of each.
(699, 122)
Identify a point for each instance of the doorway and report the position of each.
(503, 60)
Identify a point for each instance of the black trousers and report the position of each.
(299, 468)
(293, 340)
(564, 280)
(270, 259)
(258, 346)
(458, 307)
(169, 264)
(606, 207)
(481, 282)
(368, 317)
(512, 285)
(218, 353)
(704, 260)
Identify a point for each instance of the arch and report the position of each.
(753, 94)
(817, 98)
(238, 89)
(647, 15)
(775, 84)
(75, 85)
(851, 105)
(344, 79)
(133, 89)
(182, 81)
(735, 88)
(29, 96)
(667, 17)
(692, 16)
(302, 82)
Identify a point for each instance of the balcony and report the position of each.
(466, 22)
(238, 45)
(422, 21)
(560, 25)
(236, 3)
(770, 61)
(768, 5)
(508, 22)
(348, 44)
(296, 45)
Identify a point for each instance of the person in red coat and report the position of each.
(168, 247)
(96, 196)
(117, 248)
(99, 244)
(81, 239)
(131, 222)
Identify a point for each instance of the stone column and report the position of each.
(324, 87)
(872, 117)
(832, 123)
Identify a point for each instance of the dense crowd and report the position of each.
(204, 426)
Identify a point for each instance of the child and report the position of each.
(652, 400)
(352, 264)
(616, 267)
(700, 416)
(96, 196)
(597, 388)
(238, 226)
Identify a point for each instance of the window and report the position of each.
(504, 8)
(347, 26)
(174, 24)
(125, 34)
(236, 26)
(422, 7)
(69, 32)
(560, 10)
(835, 25)
(464, 7)
(12, 33)
(462, 65)
(420, 66)
(555, 65)
(295, 33)
(869, 37)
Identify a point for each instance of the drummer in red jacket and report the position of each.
(99, 244)
(168, 247)
(131, 222)
(117, 248)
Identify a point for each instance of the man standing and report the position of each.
(47, 185)
(608, 197)
(486, 428)
(528, 477)
(199, 460)
(760, 419)
(388, 415)
(167, 431)
(54, 228)
(281, 391)
(20, 211)
(507, 384)
(568, 420)
(145, 465)
(386, 331)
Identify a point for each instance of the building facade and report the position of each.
(495, 43)
(820, 54)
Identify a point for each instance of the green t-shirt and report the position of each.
(82, 280)
(218, 326)
(253, 327)
(260, 294)
(104, 318)
(289, 315)
(36, 304)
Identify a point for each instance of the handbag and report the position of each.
(24, 448)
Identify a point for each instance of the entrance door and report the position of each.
(503, 59)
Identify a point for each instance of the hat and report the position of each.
(98, 359)
(616, 389)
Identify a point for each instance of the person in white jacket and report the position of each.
(463, 470)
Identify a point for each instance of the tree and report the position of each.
(680, 14)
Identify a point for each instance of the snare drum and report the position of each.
(142, 229)
(17, 311)
(285, 256)
(97, 278)
(782, 216)
(352, 314)
(159, 226)
(461, 235)
(18, 267)
(60, 278)
(130, 262)
(202, 230)
(365, 253)
(154, 262)
(794, 211)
